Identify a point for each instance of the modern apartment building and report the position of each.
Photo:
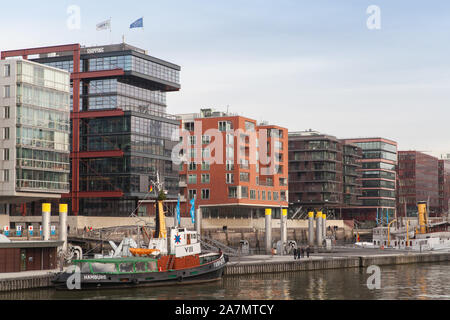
(121, 134)
(323, 173)
(34, 133)
(418, 180)
(233, 166)
(378, 165)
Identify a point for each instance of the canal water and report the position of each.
(414, 281)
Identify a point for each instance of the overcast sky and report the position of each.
(299, 64)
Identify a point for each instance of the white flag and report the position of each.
(104, 25)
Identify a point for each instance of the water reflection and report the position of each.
(420, 281)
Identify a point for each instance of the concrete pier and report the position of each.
(268, 242)
(311, 228)
(46, 209)
(319, 229)
(26, 280)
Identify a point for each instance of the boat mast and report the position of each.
(160, 222)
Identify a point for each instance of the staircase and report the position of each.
(214, 245)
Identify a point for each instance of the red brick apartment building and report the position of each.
(422, 177)
(226, 168)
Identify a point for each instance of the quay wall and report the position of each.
(26, 282)
(305, 265)
(236, 268)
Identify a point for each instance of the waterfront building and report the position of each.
(378, 165)
(121, 133)
(418, 180)
(230, 167)
(323, 173)
(34, 133)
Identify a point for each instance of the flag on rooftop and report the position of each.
(104, 25)
(139, 23)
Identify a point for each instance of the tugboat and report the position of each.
(171, 259)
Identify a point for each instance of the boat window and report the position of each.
(140, 266)
(84, 267)
(126, 267)
(152, 266)
(103, 267)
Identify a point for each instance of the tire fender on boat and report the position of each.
(135, 281)
(180, 278)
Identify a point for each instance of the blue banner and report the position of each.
(178, 211)
(139, 23)
(193, 210)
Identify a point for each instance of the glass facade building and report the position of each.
(378, 168)
(125, 134)
(35, 124)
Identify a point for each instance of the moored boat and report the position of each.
(173, 256)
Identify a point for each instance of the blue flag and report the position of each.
(178, 211)
(193, 210)
(139, 23)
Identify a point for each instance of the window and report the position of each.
(206, 139)
(192, 179)
(6, 133)
(205, 194)
(6, 154)
(6, 92)
(205, 165)
(193, 140)
(5, 175)
(189, 126)
(275, 196)
(244, 177)
(252, 194)
(192, 166)
(263, 194)
(126, 267)
(103, 267)
(230, 177)
(269, 195)
(6, 113)
(7, 70)
(230, 165)
(230, 152)
(206, 153)
(244, 192)
(192, 194)
(232, 192)
(225, 125)
(230, 139)
(205, 178)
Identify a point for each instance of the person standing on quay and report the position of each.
(295, 253)
(307, 251)
(302, 252)
(299, 250)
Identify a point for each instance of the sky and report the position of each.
(298, 64)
